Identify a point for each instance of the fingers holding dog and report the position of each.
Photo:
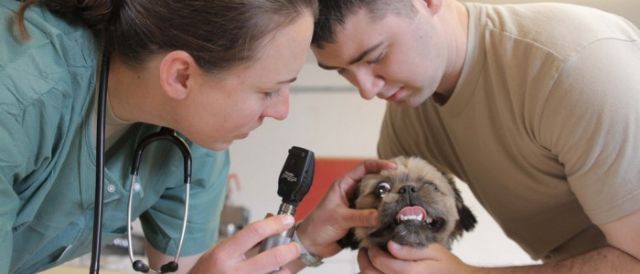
(366, 267)
(434, 258)
(347, 182)
(333, 218)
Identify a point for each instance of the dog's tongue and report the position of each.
(415, 213)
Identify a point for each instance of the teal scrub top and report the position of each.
(47, 157)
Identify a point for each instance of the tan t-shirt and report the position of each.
(544, 124)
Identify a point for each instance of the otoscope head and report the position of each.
(296, 175)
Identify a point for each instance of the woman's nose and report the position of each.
(278, 108)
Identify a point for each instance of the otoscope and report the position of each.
(293, 184)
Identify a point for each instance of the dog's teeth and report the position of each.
(429, 220)
(411, 213)
(411, 217)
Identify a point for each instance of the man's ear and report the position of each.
(432, 6)
(177, 70)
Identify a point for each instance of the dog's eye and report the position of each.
(382, 189)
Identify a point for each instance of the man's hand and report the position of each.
(620, 257)
(333, 218)
(434, 258)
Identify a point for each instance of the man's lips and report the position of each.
(396, 96)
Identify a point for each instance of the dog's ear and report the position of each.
(353, 196)
(467, 221)
(349, 241)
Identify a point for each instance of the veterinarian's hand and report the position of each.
(333, 218)
(230, 255)
(434, 258)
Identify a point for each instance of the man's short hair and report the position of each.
(333, 14)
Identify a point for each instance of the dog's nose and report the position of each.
(407, 189)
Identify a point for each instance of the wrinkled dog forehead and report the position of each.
(409, 169)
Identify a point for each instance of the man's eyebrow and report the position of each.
(354, 60)
(288, 81)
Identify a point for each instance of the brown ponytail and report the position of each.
(94, 14)
(24, 34)
(217, 33)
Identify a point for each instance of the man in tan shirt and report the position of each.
(535, 106)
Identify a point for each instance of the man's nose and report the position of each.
(368, 84)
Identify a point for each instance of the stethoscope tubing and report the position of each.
(96, 241)
(164, 134)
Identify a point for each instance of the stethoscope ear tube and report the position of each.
(170, 135)
(99, 191)
(166, 134)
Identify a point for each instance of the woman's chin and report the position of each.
(219, 146)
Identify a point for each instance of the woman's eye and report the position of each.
(270, 94)
(382, 188)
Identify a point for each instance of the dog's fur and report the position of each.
(413, 186)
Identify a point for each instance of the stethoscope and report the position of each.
(166, 134)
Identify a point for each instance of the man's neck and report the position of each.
(456, 18)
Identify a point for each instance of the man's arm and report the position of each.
(624, 234)
(622, 256)
(602, 260)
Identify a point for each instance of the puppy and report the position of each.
(417, 203)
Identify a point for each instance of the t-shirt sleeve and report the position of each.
(163, 221)
(592, 123)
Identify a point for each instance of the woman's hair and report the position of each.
(217, 33)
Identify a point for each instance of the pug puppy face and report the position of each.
(417, 203)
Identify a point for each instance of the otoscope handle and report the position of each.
(284, 237)
(293, 184)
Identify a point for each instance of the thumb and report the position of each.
(412, 254)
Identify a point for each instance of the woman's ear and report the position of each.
(177, 70)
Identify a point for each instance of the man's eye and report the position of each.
(382, 188)
(377, 59)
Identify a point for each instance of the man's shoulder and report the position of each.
(560, 28)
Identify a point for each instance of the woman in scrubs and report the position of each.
(211, 70)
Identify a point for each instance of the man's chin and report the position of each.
(414, 101)
(409, 102)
